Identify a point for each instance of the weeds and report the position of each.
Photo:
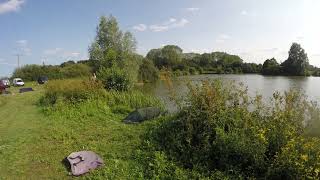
(220, 128)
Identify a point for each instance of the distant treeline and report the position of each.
(69, 69)
(113, 57)
(297, 64)
(172, 57)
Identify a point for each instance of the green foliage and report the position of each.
(75, 91)
(69, 70)
(114, 78)
(251, 68)
(148, 72)
(271, 67)
(71, 91)
(172, 57)
(111, 45)
(297, 62)
(220, 128)
(68, 63)
(299, 158)
(114, 52)
(75, 71)
(166, 57)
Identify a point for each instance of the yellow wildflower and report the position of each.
(304, 157)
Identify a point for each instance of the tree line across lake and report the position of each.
(114, 52)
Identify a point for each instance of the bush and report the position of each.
(80, 91)
(220, 128)
(114, 78)
(33, 72)
(75, 71)
(298, 159)
(192, 70)
(71, 91)
(148, 72)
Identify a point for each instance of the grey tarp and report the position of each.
(83, 161)
(143, 114)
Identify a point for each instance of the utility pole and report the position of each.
(18, 56)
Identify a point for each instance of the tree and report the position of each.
(166, 57)
(148, 72)
(111, 45)
(64, 64)
(297, 62)
(271, 67)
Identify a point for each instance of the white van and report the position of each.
(17, 82)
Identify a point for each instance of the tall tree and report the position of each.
(297, 62)
(271, 67)
(167, 57)
(111, 45)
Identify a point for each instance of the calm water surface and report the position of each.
(264, 85)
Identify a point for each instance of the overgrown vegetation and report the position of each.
(76, 91)
(32, 72)
(221, 129)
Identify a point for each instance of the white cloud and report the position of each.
(140, 27)
(222, 38)
(244, 12)
(270, 50)
(71, 54)
(8, 64)
(11, 6)
(192, 9)
(159, 28)
(172, 23)
(22, 42)
(23, 47)
(50, 52)
(61, 53)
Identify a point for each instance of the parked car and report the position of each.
(6, 82)
(17, 82)
(42, 79)
(2, 87)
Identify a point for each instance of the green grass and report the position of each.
(33, 142)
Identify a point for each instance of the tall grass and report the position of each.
(81, 93)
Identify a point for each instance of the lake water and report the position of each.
(264, 85)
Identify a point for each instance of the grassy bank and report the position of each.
(219, 133)
(34, 140)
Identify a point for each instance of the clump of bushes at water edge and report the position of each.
(222, 132)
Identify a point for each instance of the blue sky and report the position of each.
(55, 31)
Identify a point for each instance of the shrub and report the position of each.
(72, 91)
(148, 72)
(298, 159)
(114, 78)
(220, 128)
(75, 70)
(75, 92)
(33, 72)
(192, 70)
